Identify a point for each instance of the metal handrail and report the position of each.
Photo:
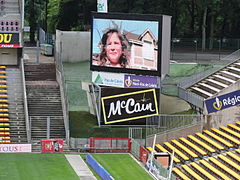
(63, 91)
(28, 126)
(202, 75)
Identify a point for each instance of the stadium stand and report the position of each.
(187, 151)
(237, 150)
(191, 173)
(180, 174)
(4, 121)
(202, 171)
(230, 132)
(226, 136)
(162, 149)
(214, 170)
(229, 162)
(219, 139)
(234, 127)
(206, 147)
(224, 168)
(180, 155)
(197, 149)
(205, 156)
(212, 143)
(233, 156)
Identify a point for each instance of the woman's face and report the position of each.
(114, 48)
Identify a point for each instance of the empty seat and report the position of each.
(224, 168)
(234, 127)
(4, 124)
(219, 139)
(234, 156)
(191, 172)
(180, 174)
(202, 171)
(229, 162)
(179, 153)
(210, 141)
(226, 136)
(214, 170)
(208, 148)
(184, 148)
(233, 133)
(193, 146)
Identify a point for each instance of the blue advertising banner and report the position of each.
(134, 81)
(222, 102)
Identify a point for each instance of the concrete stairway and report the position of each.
(44, 102)
(217, 81)
(16, 108)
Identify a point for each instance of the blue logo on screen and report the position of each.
(223, 102)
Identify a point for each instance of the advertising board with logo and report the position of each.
(122, 106)
(134, 81)
(124, 80)
(9, 40)
(222, 102)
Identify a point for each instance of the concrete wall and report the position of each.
(10, 56)
(175, 134)
(72, 46)
(225, 116)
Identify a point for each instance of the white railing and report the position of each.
(28, 127)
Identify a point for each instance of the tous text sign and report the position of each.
(222, 102)
(15, 148)
(131, 105)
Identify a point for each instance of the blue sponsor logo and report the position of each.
(222, 102)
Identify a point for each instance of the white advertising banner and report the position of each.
(15, 148)
(108, 79)
(102, 6)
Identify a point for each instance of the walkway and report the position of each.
(80, 167)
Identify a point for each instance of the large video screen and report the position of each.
(126, 43)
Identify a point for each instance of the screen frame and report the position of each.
(137, 17)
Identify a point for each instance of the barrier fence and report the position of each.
(110, 144)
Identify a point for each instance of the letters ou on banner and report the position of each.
(9, 39)
(128, 106)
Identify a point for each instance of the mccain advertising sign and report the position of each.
(9, 40)
(222, 102)
(121, 106)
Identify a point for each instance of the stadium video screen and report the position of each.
(126, 43)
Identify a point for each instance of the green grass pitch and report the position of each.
(35, 167)
(121, 166)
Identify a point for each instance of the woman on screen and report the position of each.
(113, 50)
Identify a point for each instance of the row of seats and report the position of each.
(219, 167)
(4, 120)
(196, 156)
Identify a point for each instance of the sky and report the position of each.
(137, 27)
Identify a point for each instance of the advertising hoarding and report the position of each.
(15, 148)
(121, 106)
(222, 102)
(126, 43)
(9, 40)
(124, 80)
